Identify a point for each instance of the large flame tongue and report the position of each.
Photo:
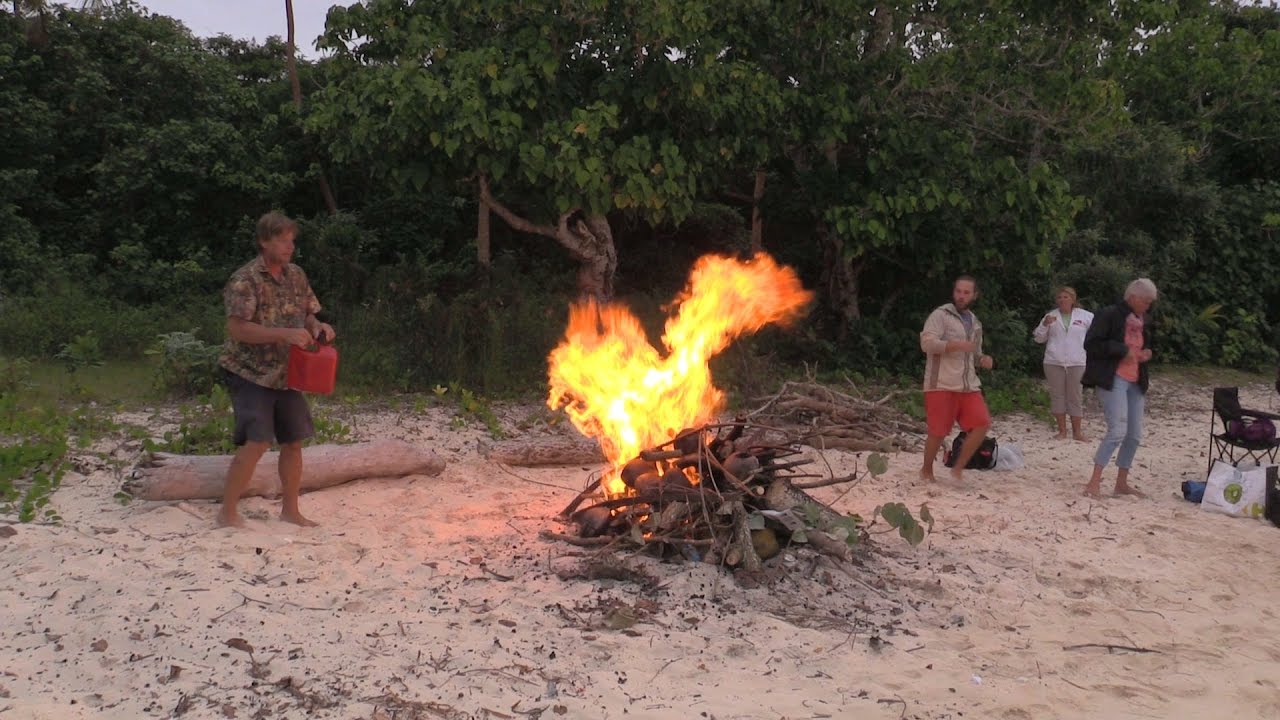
(616, 387)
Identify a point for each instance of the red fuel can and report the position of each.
(313, 370)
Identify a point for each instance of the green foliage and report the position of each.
(40, 325)
(15, 376)
(899, 517)
(1082, 143)
(33, 457)
(187, 365)
(205, 428)
(1011, 391)
(128, 142)
(83, 351)
(846, 528)
(877, 464)
(476, 407)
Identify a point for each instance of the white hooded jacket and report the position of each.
(1064, 346)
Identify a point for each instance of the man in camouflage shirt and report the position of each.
(270, 306)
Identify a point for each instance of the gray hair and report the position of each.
(1141, 288)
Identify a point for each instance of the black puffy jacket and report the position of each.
(1104, 347)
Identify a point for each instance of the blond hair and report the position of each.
(1075, 299)
(270, 225)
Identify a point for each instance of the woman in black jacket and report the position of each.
(1117, 350)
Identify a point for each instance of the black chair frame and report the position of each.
(1222, 446)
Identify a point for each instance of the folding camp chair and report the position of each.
(1229, 446)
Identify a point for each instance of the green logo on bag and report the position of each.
(1233, 493)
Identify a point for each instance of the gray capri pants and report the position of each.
(1065, 391)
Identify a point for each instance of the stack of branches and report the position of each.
(721, 494)
(845, 419)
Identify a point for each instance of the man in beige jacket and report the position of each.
(952, 344)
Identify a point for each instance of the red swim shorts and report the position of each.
(945, 408)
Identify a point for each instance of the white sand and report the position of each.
(438, 591)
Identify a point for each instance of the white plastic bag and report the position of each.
(1009, 457)
(1238, 491)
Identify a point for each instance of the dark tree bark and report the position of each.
(757, 221)
(483, 253)
(843, 278)
(588, 238)
(330, 202)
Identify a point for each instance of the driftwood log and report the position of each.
(533, 452)
(191, 477)
(782, 495)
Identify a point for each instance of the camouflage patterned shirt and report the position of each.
(253, 294)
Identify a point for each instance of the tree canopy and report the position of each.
(880, 147)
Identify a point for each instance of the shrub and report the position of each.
(188, 366)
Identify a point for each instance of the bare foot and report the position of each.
(1129, 490)
(928, 476)
(229, 519)
(1060, 436)
(955, 478)
(1093, 490)
(1081, 438)
(297, 519)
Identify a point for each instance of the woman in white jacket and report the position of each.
(1062, 333)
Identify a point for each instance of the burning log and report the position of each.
(734, 499)
(190, 477)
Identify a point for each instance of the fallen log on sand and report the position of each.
(533, 452)
(192, 477)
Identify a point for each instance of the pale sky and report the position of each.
(256, 19)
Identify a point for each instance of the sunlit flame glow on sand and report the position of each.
(618, 388)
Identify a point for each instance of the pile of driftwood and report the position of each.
(728, 494)
(824, 417)
(809, 412)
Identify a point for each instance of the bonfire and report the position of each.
(678, 481)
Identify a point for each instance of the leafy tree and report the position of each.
(560, 113)
(131, 145)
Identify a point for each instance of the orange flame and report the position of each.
(616, 387)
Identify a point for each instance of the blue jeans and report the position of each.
(1122, 406)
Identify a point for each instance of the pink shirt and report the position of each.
(1128, 367)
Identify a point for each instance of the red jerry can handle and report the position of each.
(314, 369)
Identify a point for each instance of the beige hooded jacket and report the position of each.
(955, 371)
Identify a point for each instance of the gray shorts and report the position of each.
(267, 415)
(1066, 394)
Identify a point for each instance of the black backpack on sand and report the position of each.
(984, 458)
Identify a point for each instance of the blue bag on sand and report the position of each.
(1193, 490)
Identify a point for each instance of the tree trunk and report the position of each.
(843, 278)
(883, 33)
(483, 256)
(188, 477)
(588, 238)
(590, 241)
(330, 202)
(757, 221)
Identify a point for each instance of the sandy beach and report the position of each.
(434, 597)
